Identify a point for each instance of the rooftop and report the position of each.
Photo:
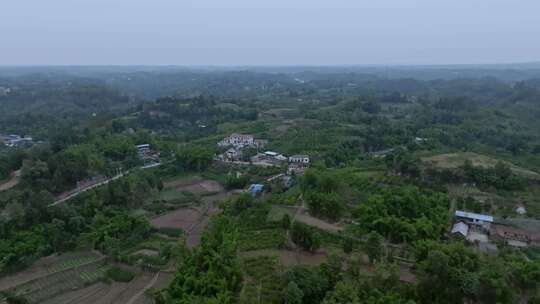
(461, 228)
(299, 156)
(474, 216)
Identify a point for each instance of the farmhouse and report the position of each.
(479, 220)
(143, 150)
(233, 154)
(237, 140)
(299, 159)
(260, 143)
(461, 229)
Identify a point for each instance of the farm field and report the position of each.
(192, 220)
(183, 218)
(102, 293)
(288, 257)
(454, 160)
(66, 276)
(47, 266)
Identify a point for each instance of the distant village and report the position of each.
(239, 144)
(16, 141)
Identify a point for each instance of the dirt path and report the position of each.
(77, 192)
(303, 216)
(12, 182)
(142, 291)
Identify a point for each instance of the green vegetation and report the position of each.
(119, 275)
(367, 222)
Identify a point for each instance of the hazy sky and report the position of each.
(268, 32)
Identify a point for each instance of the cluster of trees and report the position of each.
(209, 273)
(193, 117)
(319, 189)
(499, 176)
(305, 237)
(454, 273)
(31, 228)
(193, 158)
(404, 214)
(329, 283)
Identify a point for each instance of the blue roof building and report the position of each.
(255, 189)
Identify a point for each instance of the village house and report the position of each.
(149, 156)
(237, 140)
(233, 154)
(260, 143)
(14, 140)
(143, 150)
(480, 221)
(460, 229)
(381, 153)
(299, 159)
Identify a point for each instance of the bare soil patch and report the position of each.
(184, 218)
(211, 186)
(313, 221)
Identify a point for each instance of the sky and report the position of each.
(268, 32)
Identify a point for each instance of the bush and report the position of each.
(120, 275)
(171, 231)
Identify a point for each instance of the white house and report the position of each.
(233, 154)
(143, 150)
(237, 140)
(300, 159)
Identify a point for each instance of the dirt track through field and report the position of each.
(12, 182)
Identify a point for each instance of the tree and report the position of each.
(348, 245)
(293, 294)
(160, 185)
(502, 170)
(305, 237)
(374, 246)
(286, 221)
(193, 158)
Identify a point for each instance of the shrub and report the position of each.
(120, 275)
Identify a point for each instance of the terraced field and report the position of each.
(54, 275)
